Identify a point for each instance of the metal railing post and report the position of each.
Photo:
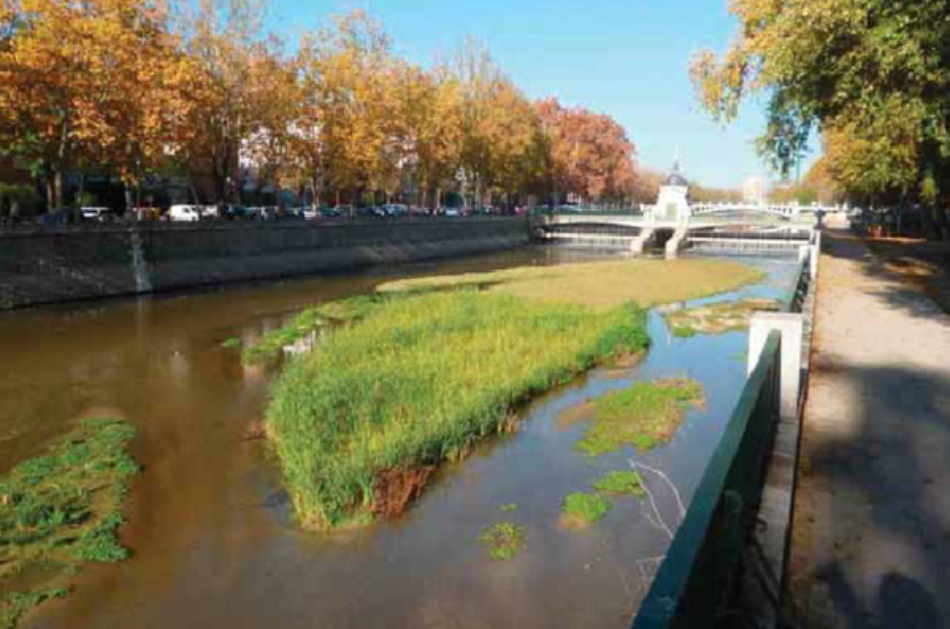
(815, 254)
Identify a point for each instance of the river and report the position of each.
(210, 527)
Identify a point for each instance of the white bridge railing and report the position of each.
(788, 211)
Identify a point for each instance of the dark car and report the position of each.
(330, 213)
(62, 216)
(291, 214)
(369, 212)
(235, 213)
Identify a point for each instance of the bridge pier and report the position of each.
(676, 243)
(638, 244)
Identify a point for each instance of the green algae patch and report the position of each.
(358, 421)
(14, 606)
(620, 483)
(719, 318)
(231, 343)
(60, 510)
(643, 415)
(599, 285)
(581, 509)
(509, 507)
(503, 540)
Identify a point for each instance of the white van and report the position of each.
(96, 214)
(184, 213)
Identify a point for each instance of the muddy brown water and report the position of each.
(211, 530)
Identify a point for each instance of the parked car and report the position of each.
(330, 213)
(452, 211)
(310, 213)
(290, 213)
(369, 212)
(209, 212)
(235, 212)
(62, 216)
(96, 214)
(263, 213)
(184, 213)
(394, 210)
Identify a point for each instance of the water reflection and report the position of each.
(209, 521)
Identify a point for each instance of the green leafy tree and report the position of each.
(873, 75)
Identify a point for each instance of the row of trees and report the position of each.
(145, 87)
(872, 75)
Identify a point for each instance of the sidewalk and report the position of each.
(871, 531)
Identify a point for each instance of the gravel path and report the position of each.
(871, 532)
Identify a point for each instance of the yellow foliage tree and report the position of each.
(86, 83)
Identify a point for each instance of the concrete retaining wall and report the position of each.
(50, 265)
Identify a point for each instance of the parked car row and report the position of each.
(193, 213)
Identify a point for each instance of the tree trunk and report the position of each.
(58, 189)
(51, 193)
(129, 200)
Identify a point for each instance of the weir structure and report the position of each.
(673, 225)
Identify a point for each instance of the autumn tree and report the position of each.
(433, 108)
(503, 148)
(222, 39)
(871, 74)
(590, 153)
(349, 123)
(73, 79)
(275, 107)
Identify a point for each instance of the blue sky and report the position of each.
(625, 58)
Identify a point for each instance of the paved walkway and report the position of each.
(871, 533)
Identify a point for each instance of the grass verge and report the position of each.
(643, 415)
(358, 421)
(503, 540)
(60, 510)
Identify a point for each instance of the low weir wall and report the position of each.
(45, 265)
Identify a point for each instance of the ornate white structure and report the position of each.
(673, 203)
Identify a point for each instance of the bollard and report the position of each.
(790, 326)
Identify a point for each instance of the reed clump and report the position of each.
(417, 381)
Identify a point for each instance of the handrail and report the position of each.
(683, 594)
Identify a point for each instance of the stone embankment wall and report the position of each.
(49, 265)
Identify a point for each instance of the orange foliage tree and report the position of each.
(590, 153)
(86, 83)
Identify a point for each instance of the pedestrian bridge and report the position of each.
(742, 228)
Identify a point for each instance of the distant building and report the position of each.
(673, 202)
(754, 191)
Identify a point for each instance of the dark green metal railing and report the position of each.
(696, 579)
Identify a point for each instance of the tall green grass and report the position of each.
(418, 380)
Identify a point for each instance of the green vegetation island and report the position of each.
(427, 368)
(60, 510)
